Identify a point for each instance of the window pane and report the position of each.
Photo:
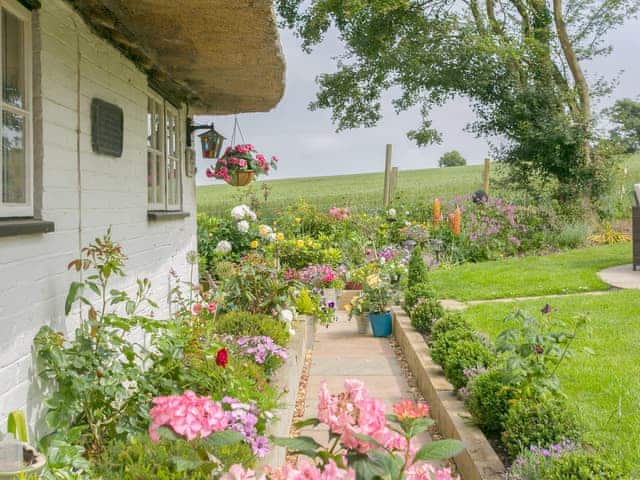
(159, 179)
(12, 60)
(14, 166)
(150, 177)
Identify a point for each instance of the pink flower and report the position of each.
(210, 173)
(196, 308)
(187, 415)
(275, 159)
(212, 307)
(305, 470)
(426, 471)
(237, 472)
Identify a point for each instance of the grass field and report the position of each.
(603, 388)
(565, 272)
(346, 190)
(362, 189)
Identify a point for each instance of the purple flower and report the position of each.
(261, 348)
(546, 310)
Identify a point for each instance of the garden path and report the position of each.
(340, 353)
(456, 305)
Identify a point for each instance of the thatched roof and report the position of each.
(224, 56)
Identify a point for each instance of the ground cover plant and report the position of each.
(601, 387)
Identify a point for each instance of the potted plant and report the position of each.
(358, 308)
(378, 296)
(324, 278)
(241, 164)
(18, 459)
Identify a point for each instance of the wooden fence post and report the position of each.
(485, 175)
(387, 176)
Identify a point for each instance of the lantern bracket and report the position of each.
(192, 128)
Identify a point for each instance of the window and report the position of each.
(16, 165)
(164, 156)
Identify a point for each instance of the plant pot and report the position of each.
(363, 324)
(240, 178)
(330, 296)
(37, 462)
(380, 323)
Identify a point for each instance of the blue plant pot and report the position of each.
(381, 323)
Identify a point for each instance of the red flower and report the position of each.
(222, 357)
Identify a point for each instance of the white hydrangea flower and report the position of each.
(243, 226)
(272, 237)
(241, 212)
(286, 316)
(391, 213)
(223, 246)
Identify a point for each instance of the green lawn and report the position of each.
(565, 272)
(346, 190)
(604, 388)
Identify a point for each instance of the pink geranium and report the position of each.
(339, 213)
(187, 415)
(306, 470)
(354, 412)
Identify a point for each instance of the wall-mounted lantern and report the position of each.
(211, 140)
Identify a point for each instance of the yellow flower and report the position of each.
(310, 243)
(254, 244)
(300, 243)
(280, 236)
(263, 231)
(298, 220)
(373, 280)
(348, 308)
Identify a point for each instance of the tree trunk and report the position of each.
(576, 71)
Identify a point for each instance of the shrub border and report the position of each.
(478, 461)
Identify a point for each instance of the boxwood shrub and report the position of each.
(463, 355)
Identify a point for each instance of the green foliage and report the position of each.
(304, 251)
(573, 235)
(417, 269)
(535, 348)
(425, 313)
(256, 286)
(581, 465)
(440, 345)
(489, 399)
(538, 421)
(466, 355)
(140, 458)
(625, 115)
(413, 293)
(449, 322)
(452, 159)
(249, 325)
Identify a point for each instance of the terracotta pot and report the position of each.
(240, 178)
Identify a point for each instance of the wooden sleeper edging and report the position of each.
(478, 461)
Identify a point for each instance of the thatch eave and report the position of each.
(221, 56)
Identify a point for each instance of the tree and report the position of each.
(518, 62)
(625, 114)
(452, 159)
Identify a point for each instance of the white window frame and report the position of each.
(166, 107)
(21, 209)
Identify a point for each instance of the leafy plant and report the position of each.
(442, 344)
(417, 269)
(609, 236)
(425, 313)
(466, 355)
(414, 293)
(541, 421)
(535, 349)
(489, 399)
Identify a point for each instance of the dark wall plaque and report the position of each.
(107, 125)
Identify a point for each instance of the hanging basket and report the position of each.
(240, 178)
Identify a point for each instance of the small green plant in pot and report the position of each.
(358, 308)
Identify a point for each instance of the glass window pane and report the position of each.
(159, 179)
(150, 178)
(14, 165)
(12, 60)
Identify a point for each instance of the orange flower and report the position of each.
(436, 212)
(407, 409)
(455, 221)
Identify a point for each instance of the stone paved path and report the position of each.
(339, 353)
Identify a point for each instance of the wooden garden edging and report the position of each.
(286, 380)
(478, 461)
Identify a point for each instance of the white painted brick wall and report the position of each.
(33, 275)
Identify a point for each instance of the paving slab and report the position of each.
(623, 276)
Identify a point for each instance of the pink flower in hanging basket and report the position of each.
(239, 160)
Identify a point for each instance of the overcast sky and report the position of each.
(307, 144)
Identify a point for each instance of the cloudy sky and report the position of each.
(307, 144)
